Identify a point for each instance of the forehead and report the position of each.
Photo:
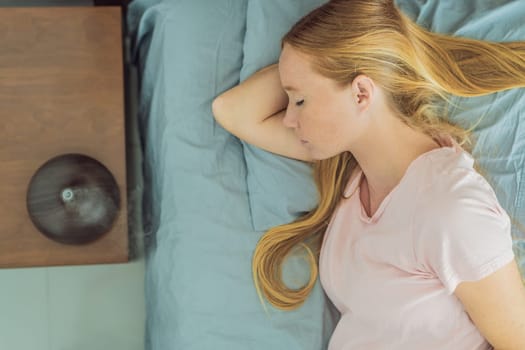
(296, 71)
(291, 57)
(294, 67)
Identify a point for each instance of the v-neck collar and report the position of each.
(353, 186)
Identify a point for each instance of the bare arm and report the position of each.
(496, 305)
(253, 111)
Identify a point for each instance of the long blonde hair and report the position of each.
(417, 69)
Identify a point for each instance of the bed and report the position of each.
(208, 197)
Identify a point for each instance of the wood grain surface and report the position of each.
(61, 91)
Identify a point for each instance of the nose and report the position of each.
(290, 119)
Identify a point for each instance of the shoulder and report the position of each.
(456, 201)
(451, 185)
(460, 230)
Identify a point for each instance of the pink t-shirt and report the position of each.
(393, 275)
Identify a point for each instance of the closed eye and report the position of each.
(299, 103)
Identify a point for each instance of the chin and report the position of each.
(316, 156)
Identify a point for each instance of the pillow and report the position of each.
(199, 287)
(280, 189)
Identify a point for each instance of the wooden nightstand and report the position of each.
(61, 91)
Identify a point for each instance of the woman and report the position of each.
(416, 251)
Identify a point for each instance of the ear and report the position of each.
(363, 89)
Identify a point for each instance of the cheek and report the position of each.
(327, 121)
(339, 126)
(327, 131)
(337, 119)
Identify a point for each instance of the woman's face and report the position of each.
(322, 113)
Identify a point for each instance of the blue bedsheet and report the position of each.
(197, 205)
(199, 289)
(500, 134)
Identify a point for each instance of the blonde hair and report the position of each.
(419, 71)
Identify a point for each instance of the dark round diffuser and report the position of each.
(73, 199)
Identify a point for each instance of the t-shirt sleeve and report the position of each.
(462, 233)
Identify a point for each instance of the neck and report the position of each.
(385, 157)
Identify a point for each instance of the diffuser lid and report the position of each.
(73, 199)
